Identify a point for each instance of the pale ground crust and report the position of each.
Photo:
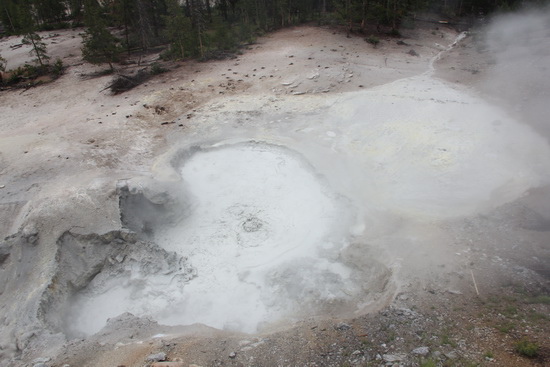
(64, 145)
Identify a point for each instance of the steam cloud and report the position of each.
(520, 43)
(268, 238)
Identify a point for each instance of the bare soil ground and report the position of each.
(64, 144)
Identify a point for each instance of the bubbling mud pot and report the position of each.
(262, 238)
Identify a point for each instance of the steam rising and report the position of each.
(287, 222)
(258, 212)
(520, 44)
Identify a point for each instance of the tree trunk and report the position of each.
(35, 48)
(394, 18)
(208, 10)
(126, 22)
(182, 49)
(9, 18)
(223, 8)
(364, 14)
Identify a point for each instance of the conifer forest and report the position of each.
(209, 28)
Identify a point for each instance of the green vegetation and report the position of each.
(446, 340)
(510, 311)
(57, 68)
(99, 45)
(527, 349)
(428, 363)
(157, 68)
(540, 299)
(2, 63)
(537, 316)
(38, 47)
(146, 23)
(207, 29)
(489, 355)
(31, 75)
(373, 40)
(505, 327)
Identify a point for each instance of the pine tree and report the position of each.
(3, 63)
(99, 45)
(178, 30)
(50, 11)
(195, 9)
(75, 10)
(38, 47)
(17, 16)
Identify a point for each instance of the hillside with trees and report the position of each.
(209, 28)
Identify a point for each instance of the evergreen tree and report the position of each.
(198, 25)
(123, 13)
(75, 10)
(99, 45)
(178, 30)
(16, 15)
(50, 11)
(8, 11)
(38, 47)
(3, 63)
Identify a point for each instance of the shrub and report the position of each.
(122, 83)
(527, 349)
(57, 68)
(428, 363)
(394, 33)
(157, 68)
(38, 47)
(373, 40)
(2, 63)
(541, 299)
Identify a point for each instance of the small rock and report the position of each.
(120, 258)
(413, 52)
(2, 186)
(41, 360)
(40, 365)
(30, 231)
(406, 312)
(451, 355)
(343, 326)
(157, 357)
(421, 351)
(232, 355)
(393, 357)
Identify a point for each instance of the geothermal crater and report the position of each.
(266, 238)
(258, 192)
